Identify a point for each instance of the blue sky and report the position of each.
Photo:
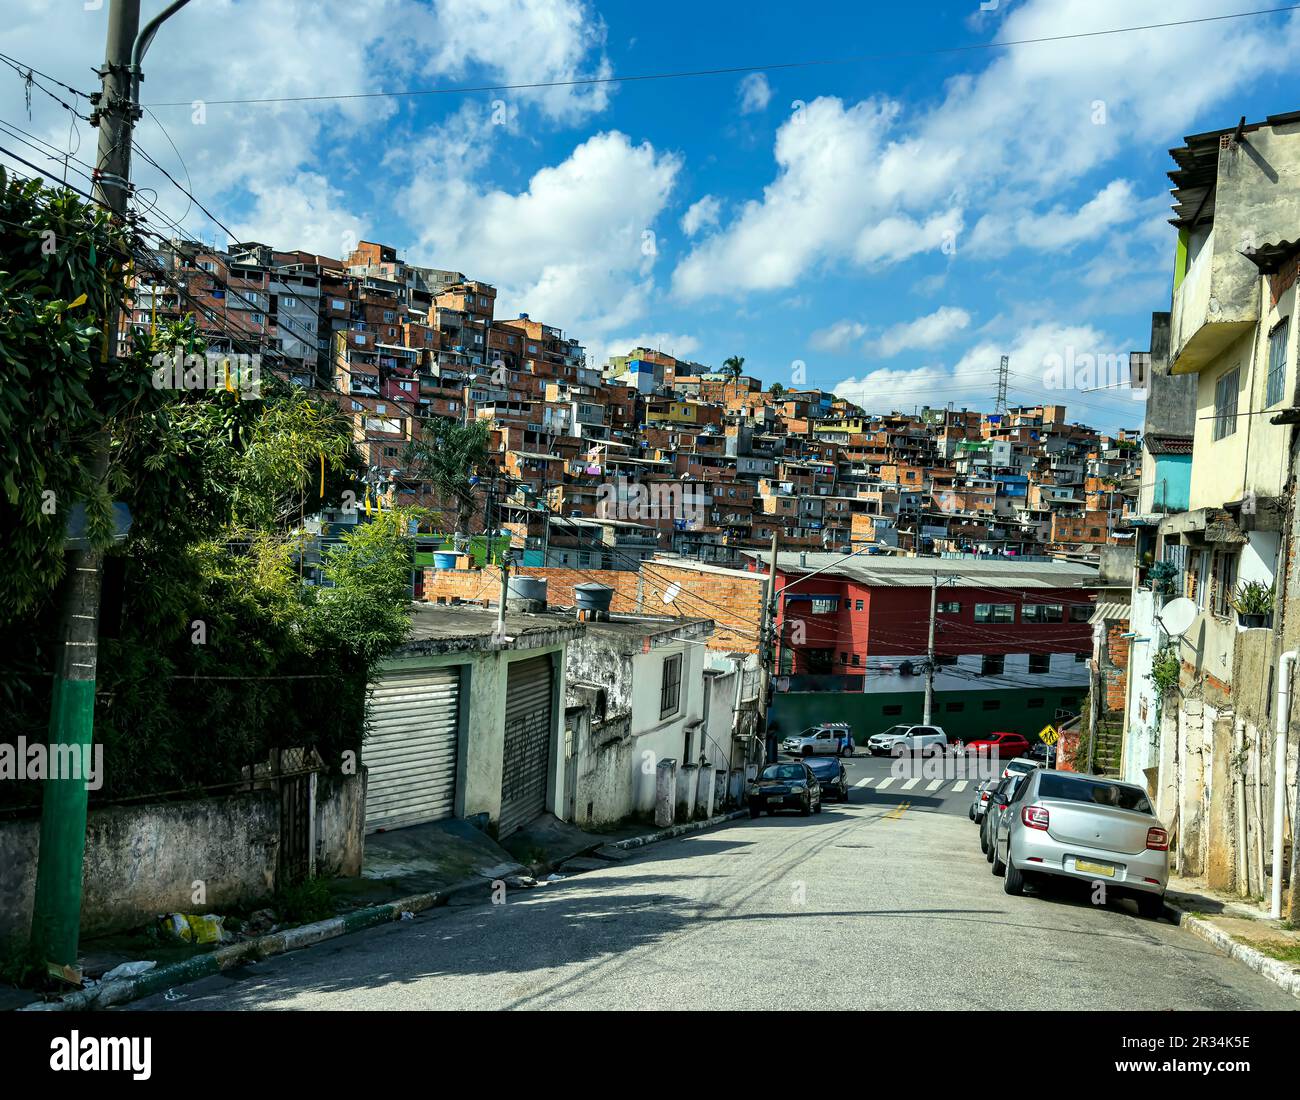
(886, 227)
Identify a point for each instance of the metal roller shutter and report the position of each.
(411, 749)
(527, 743)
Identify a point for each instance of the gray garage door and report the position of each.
(527, 743)
(411, 749)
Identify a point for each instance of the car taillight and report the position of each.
(984, 796)
(1157, 840)
(1034, 817)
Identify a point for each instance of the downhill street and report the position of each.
(863, 907)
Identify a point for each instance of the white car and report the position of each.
(825, 739)
(927, 740)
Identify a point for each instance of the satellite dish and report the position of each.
(1177, 616)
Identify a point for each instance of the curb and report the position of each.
(677, 830)
(1281, 974)
(292, 939)
(223, 958)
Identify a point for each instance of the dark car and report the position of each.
(831, 775)
(789, 785)
(1042, 754)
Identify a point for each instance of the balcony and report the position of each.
(1213, 305)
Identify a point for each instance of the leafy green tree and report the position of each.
(734, 365)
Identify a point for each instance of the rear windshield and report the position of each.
(1088, 790)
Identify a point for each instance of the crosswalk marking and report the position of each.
(887, 781)
(934, 784)
(865, 781)
(959, 786)
(912, 783)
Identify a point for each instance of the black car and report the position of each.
(1044, 754)
(831, 775)
(789, 785)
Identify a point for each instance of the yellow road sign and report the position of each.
(1049, 735)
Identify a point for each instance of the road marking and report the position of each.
(897, 812)
(866, 781)
(959, 786)
(934, 784)
(884, 782)
(911, 783)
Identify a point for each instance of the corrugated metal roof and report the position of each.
(917, 572)
(1110, 612)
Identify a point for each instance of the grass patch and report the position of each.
(308, 901)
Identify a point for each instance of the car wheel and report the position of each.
(999, 868)
(818, 807)
(984, 842)
(806, 808)
(1014, 883)
(754, 811)
(1150, 906)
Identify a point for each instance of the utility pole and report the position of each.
(56, 911)
(766, 635)
(928, 712)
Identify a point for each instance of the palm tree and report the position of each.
(447, 454)
(734, 364)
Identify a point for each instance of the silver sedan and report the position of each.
(1086, 828)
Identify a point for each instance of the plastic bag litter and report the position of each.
(555, 878)
(407, 915)
(128, 970)
(193, 929)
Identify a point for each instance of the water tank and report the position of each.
(592, 600)
(526, 594)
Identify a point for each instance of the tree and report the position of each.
(448, 455)
(776, 389)
(734, 365)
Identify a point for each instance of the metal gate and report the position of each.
(527, 744)
(410, 752)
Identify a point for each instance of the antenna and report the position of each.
(1000, 405)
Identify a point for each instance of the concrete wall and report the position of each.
(143, 860)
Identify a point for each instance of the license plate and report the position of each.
(775, 798)
(1107, 869)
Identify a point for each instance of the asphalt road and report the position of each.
(875, 905)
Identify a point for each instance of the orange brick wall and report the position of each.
(733, 603)
(1115, 667)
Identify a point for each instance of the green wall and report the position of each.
(866, 713)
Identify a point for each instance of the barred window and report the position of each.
(1225, 403)
(670, 691)
(1277, 364)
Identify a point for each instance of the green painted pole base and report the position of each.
(56, 915)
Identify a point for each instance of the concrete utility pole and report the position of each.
(56, 912)
(766, 639)
(927, 713)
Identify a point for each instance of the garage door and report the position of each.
(527, 743)
(411, 749)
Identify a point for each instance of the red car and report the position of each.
(1001, 745)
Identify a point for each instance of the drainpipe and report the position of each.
(1239, 753)
(1284, 665)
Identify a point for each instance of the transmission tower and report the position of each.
(1000, 406)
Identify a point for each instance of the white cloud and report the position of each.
(925, 333)
(755, 93)
(837, 337)
(576, 248)
(701, 214)
(866, 184)
(679, 345)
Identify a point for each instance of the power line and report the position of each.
(734, 69)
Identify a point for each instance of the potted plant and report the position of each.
(1254, 605)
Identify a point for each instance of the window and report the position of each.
(844, 658)
(857, 658)
(857, 605)
(1225, 403)
(942, 659)
(1034, 703)
(1080, 612)
(995, 612)
(1276, 364)
(892, 709)
(993, 664)
(1042, 613)
(1225, 580)
(824, 605)
(952, 607)
(954, 708)
(1080, 658)
(1040, 662)
(991, 704)
(670, 690)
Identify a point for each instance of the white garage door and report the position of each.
(411, 748)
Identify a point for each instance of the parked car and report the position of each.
(1004, 790)
(826, 738)
(1044, 755)
(1021, 765)
(1086, 828)
(831, 775)
(980, 799)
(789, 785)
(915, 739)
(1002, 745)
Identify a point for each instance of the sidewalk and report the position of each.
(1239, 927)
